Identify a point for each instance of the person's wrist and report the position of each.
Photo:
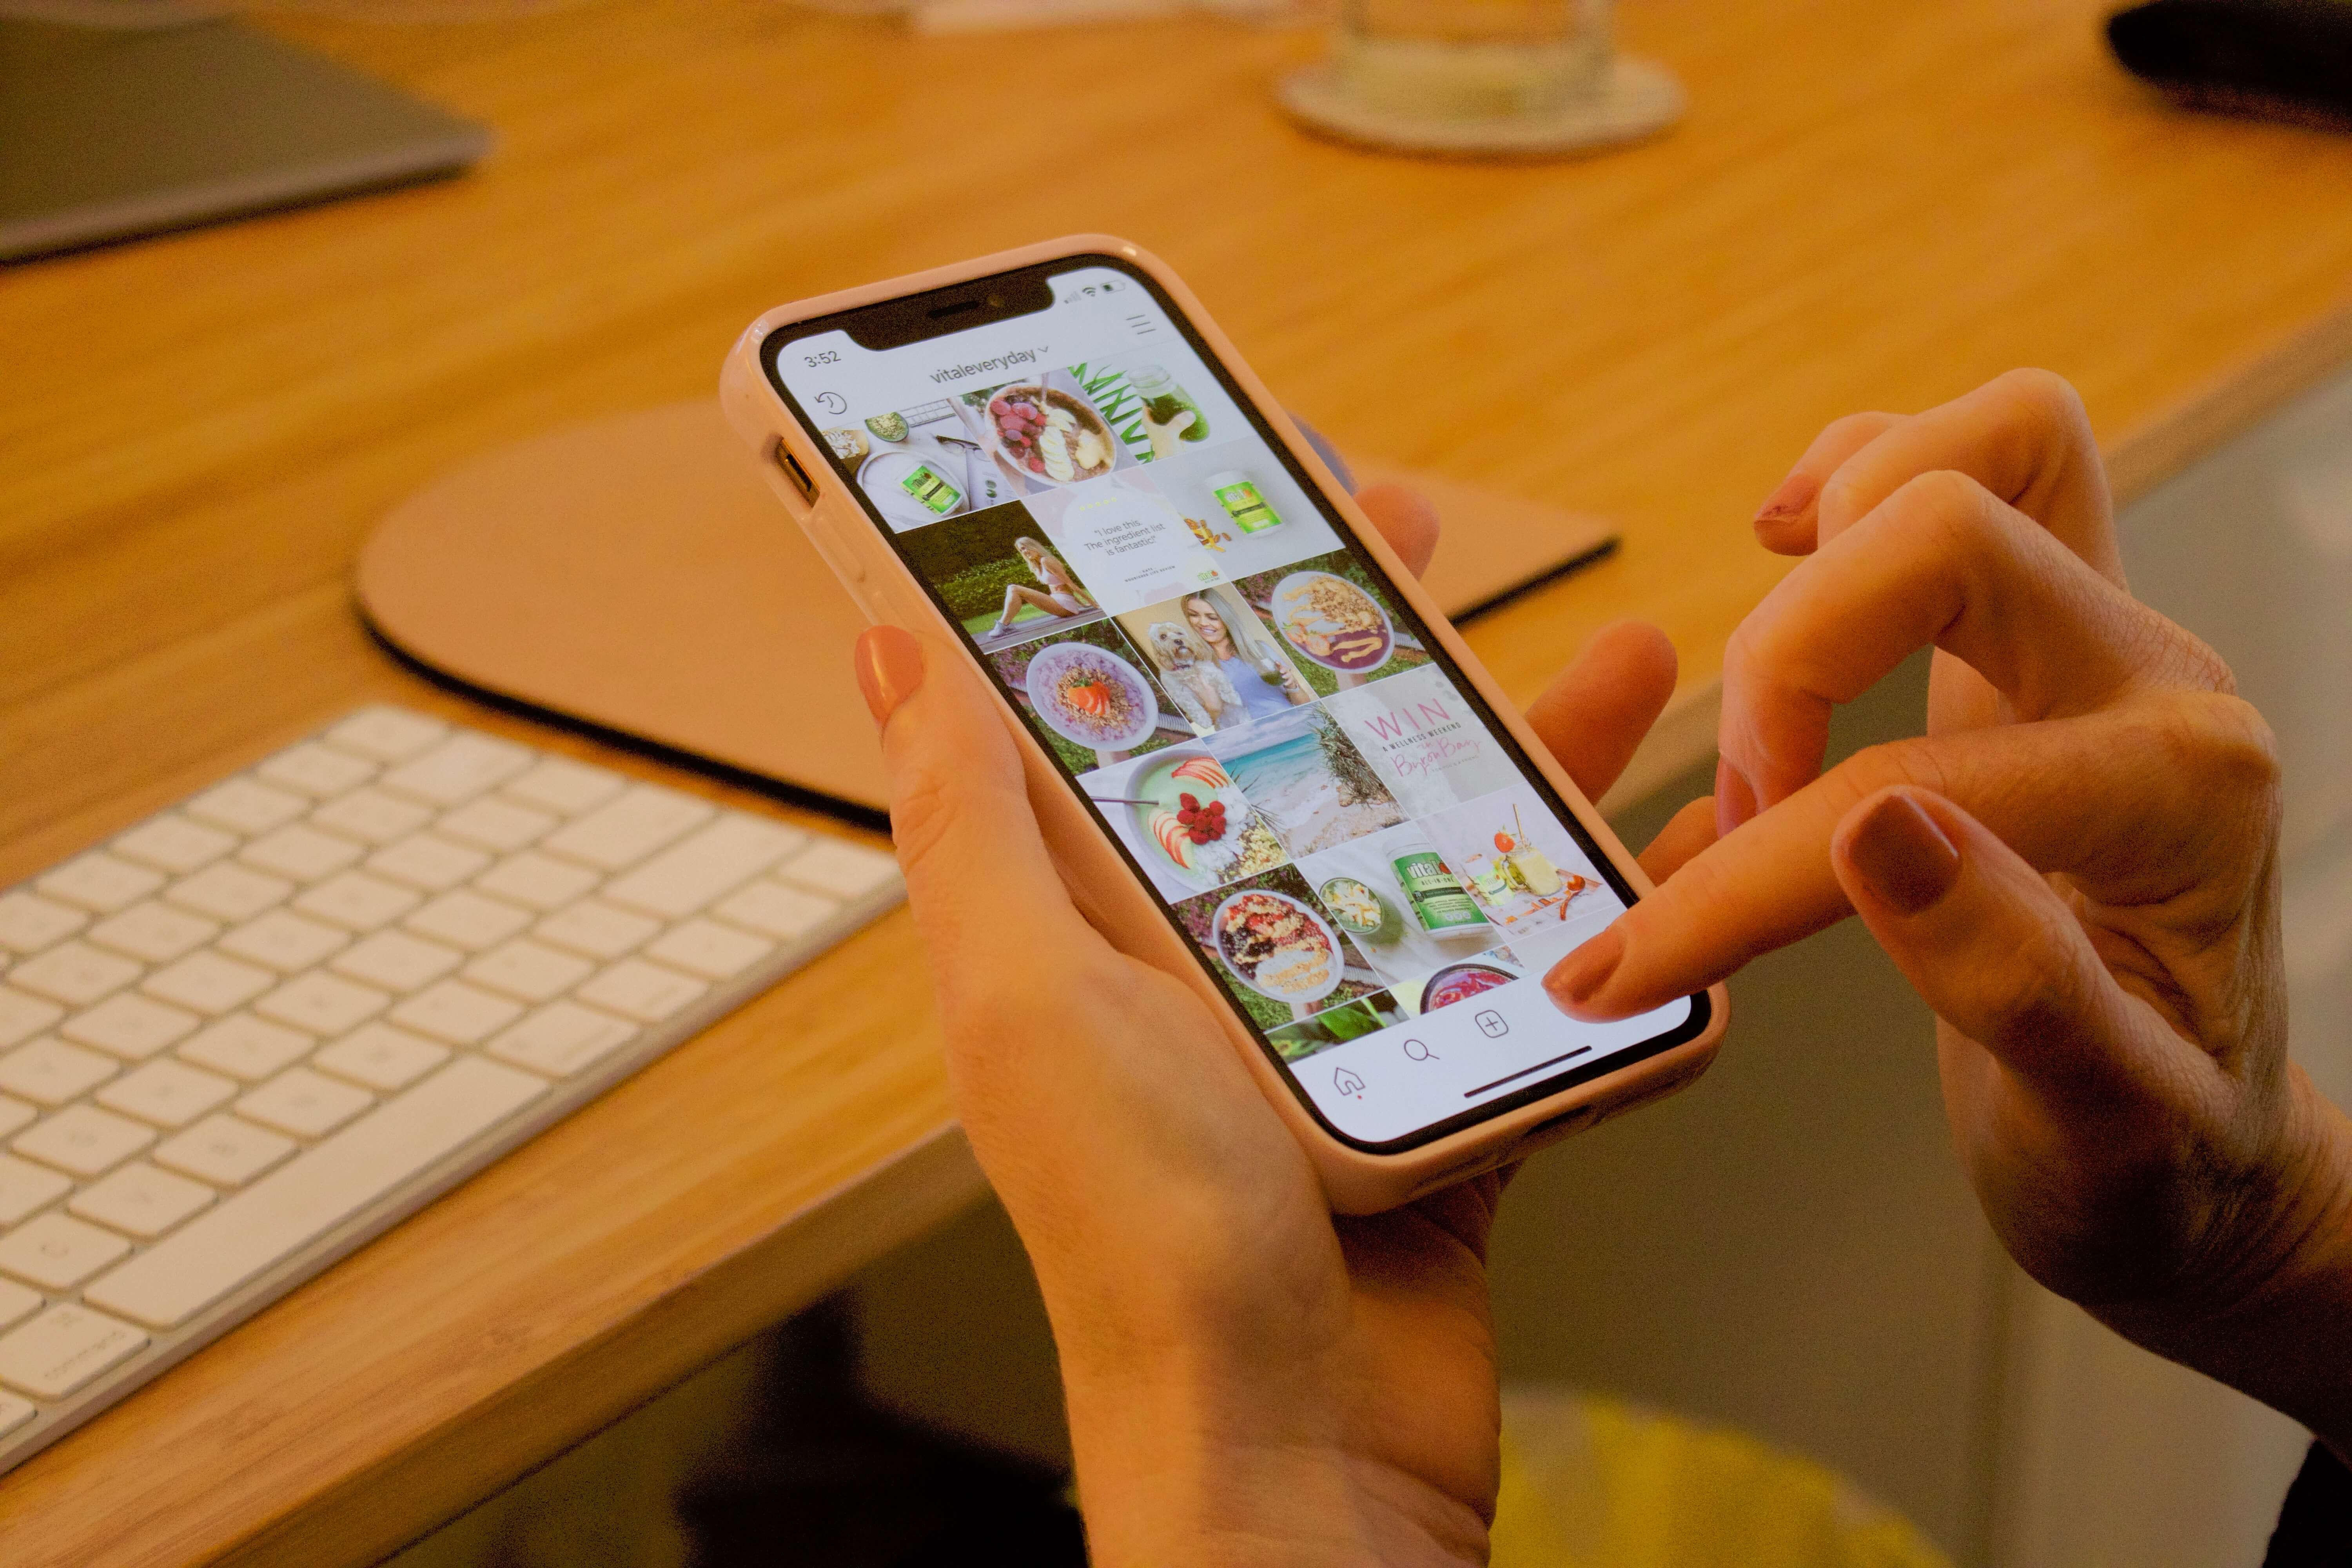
(2269, 1322)
(1181, 1457)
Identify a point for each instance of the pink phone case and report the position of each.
(1107, 892)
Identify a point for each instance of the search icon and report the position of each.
(1420, 1052)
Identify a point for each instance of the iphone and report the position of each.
(1262, 760)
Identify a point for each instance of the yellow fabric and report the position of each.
(1590, 1482)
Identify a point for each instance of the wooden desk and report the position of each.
(1867, 207)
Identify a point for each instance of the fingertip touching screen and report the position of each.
(1356, 851)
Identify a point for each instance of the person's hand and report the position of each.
(1249, 1379)
(2077, 867)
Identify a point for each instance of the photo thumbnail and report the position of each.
(1396, 896)
(921, 464)
(1279, 956)
(999, 577)
(1338, 1025)
(1461, 981)
(1184, 819)
(1243, 506)
(1343, 629)
(1312, 784)
(1155, 409)
(1131, 545)
(1525, 869)
(1216, 661)
(1423, 739)
(1087, 698)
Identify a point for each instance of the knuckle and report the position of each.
(2042, 396)
(2219, 743)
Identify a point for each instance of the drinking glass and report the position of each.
(1471, 60)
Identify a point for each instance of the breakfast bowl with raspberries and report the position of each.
(1048, 436)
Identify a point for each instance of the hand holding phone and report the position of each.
(1260, 759)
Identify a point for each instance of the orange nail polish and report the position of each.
(889, 664)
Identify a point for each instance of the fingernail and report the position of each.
(1574, 979)
(889, 667)
(1795, 494)
(1902, 854)
(1734, 797)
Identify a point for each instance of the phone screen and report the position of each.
(1361, 856)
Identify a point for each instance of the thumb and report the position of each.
(2000, 957)
(967, 838)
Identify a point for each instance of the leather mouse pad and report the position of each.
(636, 573)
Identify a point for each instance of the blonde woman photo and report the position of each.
(1204, 692)
(1268, 682)
(1060, 598)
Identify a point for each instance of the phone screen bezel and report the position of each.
(1004, 296)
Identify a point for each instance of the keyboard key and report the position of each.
(358, 902)
(458, 769)
(398, 961)
(25, 1186)
(316, 770)
(710, 950)
(15, 1412)
(17, 1302)
(597, 929)
(56, 1252)
(532, 879)
(322, 1003)
(228, 892)
(14, 1113)
(565, 787)
(167, 1093)
(717, 859)
(844, 870)
(155, 931)
(455, 1012)
(22, 1016)
(469, 919)
(245, 1234)
(303, 1102)
(174, 844)
(284, 941)
(64, 1348)
(387, 734)
(493, 824)
(50, 1072)
(83, 1141)
(372, 816)
(645, 992)
(247, 805)
(630, 827)
(305, 854)
(224, 1151)
(247, 1048)
(132, 1027)
(141, 1201)
(525, 969)
(208, 983)
(786, 913)
(421, 861)
(74, 973)
(29, 923)
(100, 883)
(562, 1037)
(381, 1056)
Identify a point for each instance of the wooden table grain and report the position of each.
(1868, 207)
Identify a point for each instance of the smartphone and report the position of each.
(1261, 758)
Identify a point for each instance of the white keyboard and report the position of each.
(258, 1029)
